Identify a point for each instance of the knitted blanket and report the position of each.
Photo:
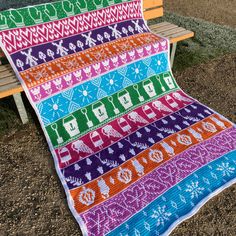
(135, 154)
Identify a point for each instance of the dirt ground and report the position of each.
(32, 201)
(217, 11)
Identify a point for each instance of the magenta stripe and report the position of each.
(97, 69)
(49, 32)
(116, 210)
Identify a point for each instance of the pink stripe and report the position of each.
(97, 69)
(19, 39)
(118, 124)
(116, 210)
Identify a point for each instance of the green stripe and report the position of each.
(82, 121)
(36, 14)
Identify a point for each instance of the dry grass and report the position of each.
(217, 11)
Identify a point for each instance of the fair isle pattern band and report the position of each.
(135, 154)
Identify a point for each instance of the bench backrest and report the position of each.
(152, 9)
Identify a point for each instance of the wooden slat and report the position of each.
(5, 67)
(152, 3)
(171, 31)
(165, 28)
(177, 30)
(158, 12)
(8, 80)
(156, 26)
(181, 36)
(6, 73)
(10, 89)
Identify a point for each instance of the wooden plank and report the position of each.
(175, 34)
(5, 67)
(152, 3)
(152, 14)
(159, 25)
(165, 28)
(181, 36)
(168, 33)
(6, 73)
(8, 80)
(10, 89)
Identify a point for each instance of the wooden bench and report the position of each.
(9, 85)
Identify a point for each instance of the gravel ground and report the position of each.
(32, 201)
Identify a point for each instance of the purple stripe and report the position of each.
(116, 210)
(134, 144)
(66, 43)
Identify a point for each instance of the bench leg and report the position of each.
(172, 56)
(20, 107)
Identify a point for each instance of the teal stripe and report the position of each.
(158, 216)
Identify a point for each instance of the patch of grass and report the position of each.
(210, 40)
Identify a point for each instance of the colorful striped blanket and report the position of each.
(134, 153)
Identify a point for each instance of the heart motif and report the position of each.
(49, 26)
(51, 37)
(88, 20)
(59, 28)
(25, 44)
(16, 32)
(67, 33)
(33, 29)
(35, 40)
(43, 32)
(74, 24)
(41, 40)
(9, 49)
(10, 39)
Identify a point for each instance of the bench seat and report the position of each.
(173, 32)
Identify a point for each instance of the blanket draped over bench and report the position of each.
(135, 154)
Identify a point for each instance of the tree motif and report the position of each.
(20, 64)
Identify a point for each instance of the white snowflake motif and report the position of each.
(225, 169)
(138, 71)
(111, 83)
(55, 107)
(160, 63)
(194, 189)
(161, 215)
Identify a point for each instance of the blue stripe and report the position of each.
(158, 216)
(98, 88)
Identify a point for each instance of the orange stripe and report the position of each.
(145, 158)
(50, 70)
